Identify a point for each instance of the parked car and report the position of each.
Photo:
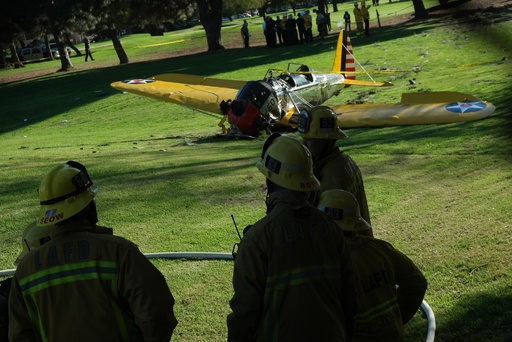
(30, 53)
(46, 53)
(53, 47)
(54, 50)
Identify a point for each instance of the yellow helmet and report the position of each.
(320, 122)
(342, 206)
(33, 237)
(65, 191)
(287, 163)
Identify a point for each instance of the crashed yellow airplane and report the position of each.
(275, 102)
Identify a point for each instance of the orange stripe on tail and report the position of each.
(350, 64)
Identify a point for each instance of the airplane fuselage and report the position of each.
(274, 100)
(313, 93)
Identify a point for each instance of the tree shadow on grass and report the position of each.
(478, 317)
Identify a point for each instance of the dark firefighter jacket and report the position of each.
(384, 308)
(339, 171)
(293, 277)
(84, 285)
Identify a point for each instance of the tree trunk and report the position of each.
(121, 54)
(15, 58)
(335, 6)
(3, 62)
(262, 10)
(322, 5)
(47, 47)
(63, 52)
(210, 14)
(71, 45)
(65, 61)
(419, 9)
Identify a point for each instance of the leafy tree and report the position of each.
(232, 7)
(112, 16)
(8, 33)
(115, 15)
(62, 16)
(153, 13)
(58, 17)
(14, 25)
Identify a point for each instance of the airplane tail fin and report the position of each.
(344, 59)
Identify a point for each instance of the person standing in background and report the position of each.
(359, 18)
(366, 18)
(346, 17)
(245, 33)
(87, 45)
(308, 25)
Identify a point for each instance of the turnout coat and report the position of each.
(293, 277)
(87, 285)
(390, 289)
(337, 170)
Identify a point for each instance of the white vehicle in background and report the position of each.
(54, 51)
(30, 53)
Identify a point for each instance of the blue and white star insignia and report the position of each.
(462, 107)
(138, 81)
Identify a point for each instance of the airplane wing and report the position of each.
(261, 103)
(366, 83)
(197, 92)
(415, 109)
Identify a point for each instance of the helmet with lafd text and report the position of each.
(33, 237)
(64, 192)
(342, 206)
(288, 163)
(320, 122)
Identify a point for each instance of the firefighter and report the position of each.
(32, 238)
(85, 284)
(366, 18)
(320, 131)
(292, 276)
(359, 18)
(390, 287)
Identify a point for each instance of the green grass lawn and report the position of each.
(442, 194)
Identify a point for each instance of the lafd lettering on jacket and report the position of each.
(304, 231)
(68, 252)
(375, 281)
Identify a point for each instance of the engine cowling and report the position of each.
(254, 108)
